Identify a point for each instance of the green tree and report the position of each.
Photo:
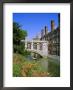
(18, 35)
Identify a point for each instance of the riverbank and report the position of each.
(43, 67)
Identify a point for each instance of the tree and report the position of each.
(18, 35)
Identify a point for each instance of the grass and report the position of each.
(16, 70)
(54, 68)
(25, 68)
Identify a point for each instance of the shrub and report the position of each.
(18, 59)
(16, 70)
(33, 69)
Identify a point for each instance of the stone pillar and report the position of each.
(31, 45)
(25, 44)
(38, 46)
(45, 49)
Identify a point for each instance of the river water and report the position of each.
(48, 64)
(43, 61)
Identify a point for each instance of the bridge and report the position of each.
(37, 46)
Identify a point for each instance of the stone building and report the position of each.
(48, 42)
(53, 37)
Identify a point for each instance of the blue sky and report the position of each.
(34, 22)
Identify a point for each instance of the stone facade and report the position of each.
(48, 43)
(53, 38)
(38, 46)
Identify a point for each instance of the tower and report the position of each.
(46, 30)
(52, 25)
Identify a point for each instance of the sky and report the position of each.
(33, 23)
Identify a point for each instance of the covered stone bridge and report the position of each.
(38, 46)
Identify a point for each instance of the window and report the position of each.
(28, 45)
(35, 45)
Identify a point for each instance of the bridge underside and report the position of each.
(37, 52)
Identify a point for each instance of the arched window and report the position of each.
(35, 45)
(28, 45)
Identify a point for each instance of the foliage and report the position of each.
(33, 69)
(17, 61)
(18, 58)
(18, 35)
(26, 53)
(25, 68)
(16, 70)
(54, 69)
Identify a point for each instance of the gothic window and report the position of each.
(35, 45)
(29, 46)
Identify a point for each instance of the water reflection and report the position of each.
(29, 57)
(34, 56)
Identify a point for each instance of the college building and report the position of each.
(47, 43)
(53, 37)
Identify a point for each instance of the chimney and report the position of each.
(52, 25)
(46, 30)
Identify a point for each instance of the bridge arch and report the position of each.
(36, 52)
